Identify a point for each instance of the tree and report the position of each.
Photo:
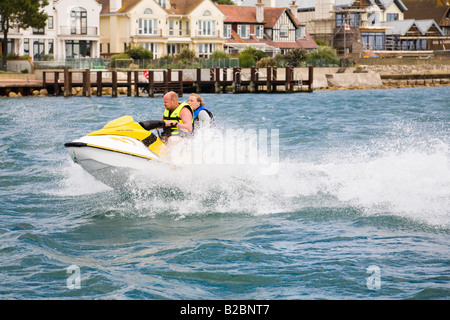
(255, 53)
(229, 2)
(295, 57)
(23, 14)
(139, 52)
(246, 60)
(322, 56)
(219, 54)
(186, 54)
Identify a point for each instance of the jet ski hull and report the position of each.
(111, 159)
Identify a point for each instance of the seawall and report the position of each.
(418, 73)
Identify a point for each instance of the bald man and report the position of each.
(178, 117)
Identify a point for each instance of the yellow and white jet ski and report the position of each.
(121, 146)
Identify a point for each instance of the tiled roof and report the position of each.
(238, 14)
(426, 9)
(307, 43)
(183, 6)
(178, 6)
(242, 14)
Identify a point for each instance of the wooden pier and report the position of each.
(157, 82)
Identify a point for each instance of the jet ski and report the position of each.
(123, 145)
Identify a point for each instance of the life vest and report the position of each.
(196, 112)
(175, 116)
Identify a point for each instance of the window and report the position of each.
(173, 49)
(78, 21)
(162, 3)
(227, 30)
(170, 27)
(147, 26)
(352, 19)
(300, 32)
(187, 28)
(26, 46)
(392, 16)
(38, 49)
(50, 22)
(50, 46)
(205, 49)
(78, 48)
(206, 28)
(148, 11)
(38, 31)
(284, 31)
(259, 31)
(244, 31)
(10, 46)
(373, 40)
(153, 47)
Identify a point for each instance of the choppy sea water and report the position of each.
(358, 208)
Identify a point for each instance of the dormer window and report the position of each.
(259, 31)
(243, 31)
(284, 31)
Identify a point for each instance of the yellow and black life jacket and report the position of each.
(175, 116)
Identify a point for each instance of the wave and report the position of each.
(408, 179)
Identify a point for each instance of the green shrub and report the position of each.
(322, 56)
(255, 53)
(246, 60)
(138, 52)
(186, 55)
(219, 54)
(295, 57)
(266, 62)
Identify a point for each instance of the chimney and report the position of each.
(268, 3)
(259, 11)
(115, 5)
(293, 8)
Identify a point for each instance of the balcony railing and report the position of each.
(207, 34)
(87, 31)
(179, 33)
(150, 33)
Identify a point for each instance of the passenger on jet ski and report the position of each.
(178, 118)
(202, 116)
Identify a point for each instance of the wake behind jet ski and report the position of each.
(122, 145)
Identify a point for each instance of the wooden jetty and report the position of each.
(156, 82)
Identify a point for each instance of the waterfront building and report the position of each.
(71, 32)
(376, 27)
(165, 27)
(270, 29)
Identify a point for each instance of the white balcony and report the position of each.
(77, 31)
(207, 33)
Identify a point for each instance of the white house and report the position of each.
(72, 31)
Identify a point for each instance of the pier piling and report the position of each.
(161, 81)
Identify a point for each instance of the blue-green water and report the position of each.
(363, 180)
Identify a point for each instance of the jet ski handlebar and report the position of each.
(152, 124)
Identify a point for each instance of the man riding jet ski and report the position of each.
(123, 144)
